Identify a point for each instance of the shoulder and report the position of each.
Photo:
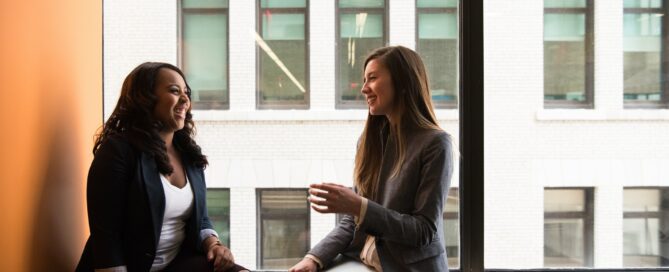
(117, 145)
(433, 138)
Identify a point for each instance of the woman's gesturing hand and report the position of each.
(334, 198)
(306, 265)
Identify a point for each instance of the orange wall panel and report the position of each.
(51, 106)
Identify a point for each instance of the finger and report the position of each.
(217, 261)
(210, 255)
(321, 209)
(318, 193)
(335, 185)
(318, 201)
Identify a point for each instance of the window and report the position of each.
(568, 221)
(362, 27)
(204, 52)
(283, 232)
(568, 54)
(437, 43)
(283, 55)
(218, 205)
(645, 227)
(642, 46)
(452, 228)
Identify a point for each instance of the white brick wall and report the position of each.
(527, 148)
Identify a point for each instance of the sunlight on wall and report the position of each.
(51, 106)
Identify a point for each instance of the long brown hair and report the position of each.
(133, 119)
(412, 105)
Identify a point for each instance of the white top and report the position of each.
(178, 207)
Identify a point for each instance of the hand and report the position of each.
(221, 256)
(305, 265)
(334, 198)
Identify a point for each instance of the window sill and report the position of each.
(602, 115)
(299, 115)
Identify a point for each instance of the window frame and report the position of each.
(260, 216)
(589, 103)
(288, 105)
(341, 104)
(436, 10)
(181, 11)
(663, 103)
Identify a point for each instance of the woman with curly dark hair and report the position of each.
(146, 192)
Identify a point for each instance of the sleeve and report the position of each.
(419, 228)
(335, 242)
(106, 200)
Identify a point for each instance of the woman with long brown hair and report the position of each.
(403, 165)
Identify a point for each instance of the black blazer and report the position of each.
(126, 204)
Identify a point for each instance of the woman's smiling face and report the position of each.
(173, 99)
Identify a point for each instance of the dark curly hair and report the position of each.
(133, 120)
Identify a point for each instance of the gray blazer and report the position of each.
(406, 218)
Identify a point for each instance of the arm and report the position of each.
(418, 228)
(335, 242)
(106, 199)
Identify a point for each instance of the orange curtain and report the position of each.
(50, 108)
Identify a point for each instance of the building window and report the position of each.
(218, 206)
(568, 54)
(568, 222)
(452, 228)
(642, 46)
(283, 55)
(283, 234)
(204, 52)
(645, 227)
(437, 43)
(361, 28)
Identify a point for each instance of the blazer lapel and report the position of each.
(154, 193)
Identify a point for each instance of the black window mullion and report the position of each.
(471, 135)
(664, 66)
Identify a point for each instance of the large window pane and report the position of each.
(283, 227)
(645, 227)
(642, 47)
(438, 45)
(283, 55)
(362, 28)
(567, 53)
(204, 52)
(568, 227)
(218, 206)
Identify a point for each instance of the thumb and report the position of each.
(210, 255)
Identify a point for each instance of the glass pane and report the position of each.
(283, 27)
(438, 45)
(361, 3)
(642, 53)
(564, 57)
(285, 227)
(564, 200)
(642, 3)
(283, 3)
(359, 35)
(204, 3)
(565, 3)
(563, 243)
(285, 242)
(436, 3)
(452, 228)
(641, 200)
(361, 25)
(641, 242)
(283, 60)
(205, 58)
(218, 205)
